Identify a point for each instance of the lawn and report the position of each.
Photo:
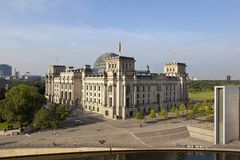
(201, 96)
(3, 126)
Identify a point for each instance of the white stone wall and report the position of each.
(230, 115)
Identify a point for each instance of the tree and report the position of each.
(201, 110)
(190, 107)
(176, 113)
(152, 113)
(182, 109)
(22, 103)
(58, 113)
(62, 112)
(189, 115)
(209, 110)
(50, 117)
(195, 108)
(42, 119)
(172, 109)
(139, 116)
(164, 113)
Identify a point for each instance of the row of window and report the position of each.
(143, 89)
(143, 101)
(94, 100)
(92, 108)
(143, 96)
(69, 86)
(93, 94)
(93, 88)
(170, 69)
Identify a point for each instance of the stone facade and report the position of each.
(115, 89)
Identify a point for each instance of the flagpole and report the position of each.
(119, 48)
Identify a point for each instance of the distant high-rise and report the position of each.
(228, 78)
(5, 70)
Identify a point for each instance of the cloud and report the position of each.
(37, 46)
(23, 6)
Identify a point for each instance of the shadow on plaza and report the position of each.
(85, 121)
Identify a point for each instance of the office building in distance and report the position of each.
(5, 70)
(115, 89)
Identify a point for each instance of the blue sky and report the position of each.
(204, 34)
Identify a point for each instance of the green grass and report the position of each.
(3, 126)
(202, 96)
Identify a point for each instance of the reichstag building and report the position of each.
(115, 89)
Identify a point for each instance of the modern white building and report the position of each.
(115, 89)
(226, 116)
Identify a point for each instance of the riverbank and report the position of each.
(32, 152)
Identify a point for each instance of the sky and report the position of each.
(204, 34)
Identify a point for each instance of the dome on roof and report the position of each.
(100, 63)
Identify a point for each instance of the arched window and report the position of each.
(110, 89)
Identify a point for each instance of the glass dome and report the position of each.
(100, 63)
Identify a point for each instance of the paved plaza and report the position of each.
(99, 131)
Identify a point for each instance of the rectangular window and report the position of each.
(148, 101)
(143, 102)
(149, 89)
(94, 88)
(137, 95)
(137, 89)
(143, 95)
(99, 88)
(148, 95)
(137, 102)
(143, 89)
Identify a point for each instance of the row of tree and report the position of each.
(208, 85)
(190, 112)
(24, 104)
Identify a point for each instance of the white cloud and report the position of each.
(36, 47)
(23, 6)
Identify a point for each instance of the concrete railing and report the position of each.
(9, 132)
(199, 133)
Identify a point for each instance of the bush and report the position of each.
(139, 116)
(172, 109)
(176, 113)
(152, 113)
(164, 113)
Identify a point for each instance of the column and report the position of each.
(113, 100)
(124, 102)
(105, 95)
(135, 95)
